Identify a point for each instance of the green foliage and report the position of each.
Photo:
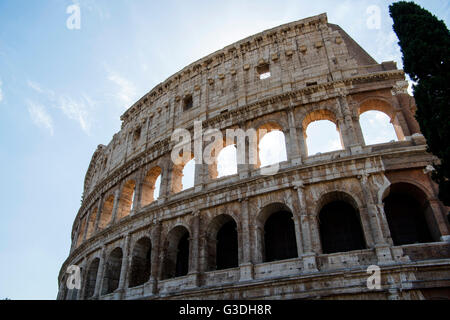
(425, 45)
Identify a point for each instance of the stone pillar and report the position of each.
(346, 138)
(156, 251)
(100, 273)
(400, 125)
(406, 103)
(86, 225)
(293, 148)
(137, 197)
(164, 189)
(83, 275)
(302, 142)
(123, 280)
(298, 235)
(348, 132)
(246, 265)
(201, 171)
(245, 167)
(194, 248)
(307, 254)
(99, 214)
(115, 206)
(381, 244)
(358, 131)
(439, 216)
(75, 239)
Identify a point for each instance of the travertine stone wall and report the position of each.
(317, 72)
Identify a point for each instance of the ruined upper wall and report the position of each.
(298, 54)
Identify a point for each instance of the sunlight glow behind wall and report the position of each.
(272, 148)
(227, 161)
(322, 137)
(376, 127)
(188, 175)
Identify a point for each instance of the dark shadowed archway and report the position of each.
(141, 262)
(405, 208)
(340, 225)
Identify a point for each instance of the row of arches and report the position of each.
(320, 128)
(339, 227)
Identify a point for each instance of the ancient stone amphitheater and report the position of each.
(308, 231)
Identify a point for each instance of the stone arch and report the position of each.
(177, 173)
(340, 225)
(277, 232)
(141, 260)
(112, 271)
(266, 128)
(322, 114)
(126, 199)
(106, 215)
(222, 243)
(91, 278)
(213, 150)
(382, 105)
(149, 185)
(408, 213)
(176, 249)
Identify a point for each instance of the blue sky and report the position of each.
(62, 92)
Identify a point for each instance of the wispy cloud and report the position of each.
(40, 116)
(74, 109)
(127, 92)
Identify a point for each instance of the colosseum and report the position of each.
(310, 230)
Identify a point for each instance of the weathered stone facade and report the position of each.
(316, 72)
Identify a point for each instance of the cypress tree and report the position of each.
(425, 45)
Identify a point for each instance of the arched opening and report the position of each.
(271, 145)
(340, 225)
(227, 161)
(188, 179)
(382, 126)
(176, 260)
(222, 243)
(106, 215)
(126, 200)
(227, 246)
(141, 262)
(321, 133)
(151, 186)
(91, 278)
(377, 128)
(406, 208)
(91, 223)
(183, 175)
(322, 136)
(279, 233)
(112, 272)
(272, 148)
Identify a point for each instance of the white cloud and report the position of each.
(35, 86)
(40, 116)
(127, 93)
(74, 109)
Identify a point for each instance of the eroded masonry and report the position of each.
(309, 231)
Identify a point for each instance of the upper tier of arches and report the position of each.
(162, 178)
